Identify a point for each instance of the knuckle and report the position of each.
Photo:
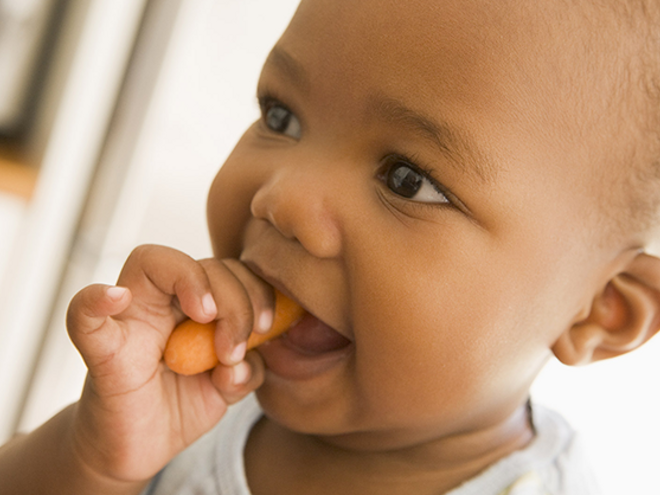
(80, 303)
(144, 253)
(140, 252)
(237, 323)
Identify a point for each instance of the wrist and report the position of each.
(98, 467)
(46, 461)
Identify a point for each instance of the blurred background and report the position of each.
(114, 117)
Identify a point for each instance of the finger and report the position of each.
(235, 382)
(88, 315)
(260, 293)
(158, 274)
(235, 316)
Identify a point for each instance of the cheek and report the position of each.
(229, 200)
(442, 339)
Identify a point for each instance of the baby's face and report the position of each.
(418, 183)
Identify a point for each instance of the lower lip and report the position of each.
(291, 362)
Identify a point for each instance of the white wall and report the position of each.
(203, 102)
(39, 248)
(615, 406)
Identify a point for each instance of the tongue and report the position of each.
(312, 336)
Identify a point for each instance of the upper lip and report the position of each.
(277, 284)
(272, 281)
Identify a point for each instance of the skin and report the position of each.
(469, 291)
(450, 291)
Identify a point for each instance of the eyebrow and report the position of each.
(289, 67)
(449, 140)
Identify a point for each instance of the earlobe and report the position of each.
(576, 346)
(623, 316)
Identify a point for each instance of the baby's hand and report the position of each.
(135, 414)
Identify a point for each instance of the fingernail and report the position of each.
(265, 321)
(115, 293)
(238, 353)
(241, 373)
(208, 305)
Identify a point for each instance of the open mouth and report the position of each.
(308, 349)
(312, 337)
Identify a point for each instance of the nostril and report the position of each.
(266, 205)
(299, 213)
(260, 207)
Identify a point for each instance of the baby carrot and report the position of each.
(287, 312)
(191, 350)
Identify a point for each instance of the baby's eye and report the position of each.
(281, 120)
(409, 182)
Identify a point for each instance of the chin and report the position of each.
(303, 409)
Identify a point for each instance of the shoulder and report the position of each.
(213, 465)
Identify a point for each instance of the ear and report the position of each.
(622, 317)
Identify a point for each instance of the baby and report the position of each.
(455, 191)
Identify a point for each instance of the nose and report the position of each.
(300, 203)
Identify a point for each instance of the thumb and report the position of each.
(90, 327)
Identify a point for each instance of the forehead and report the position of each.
(461, 56)
(449, 37)
(411, 43)
(501, 64)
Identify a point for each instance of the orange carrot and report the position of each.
(191, 350)
(287, 312)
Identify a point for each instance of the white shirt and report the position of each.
(552, 464)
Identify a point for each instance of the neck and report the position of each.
(277, 456)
